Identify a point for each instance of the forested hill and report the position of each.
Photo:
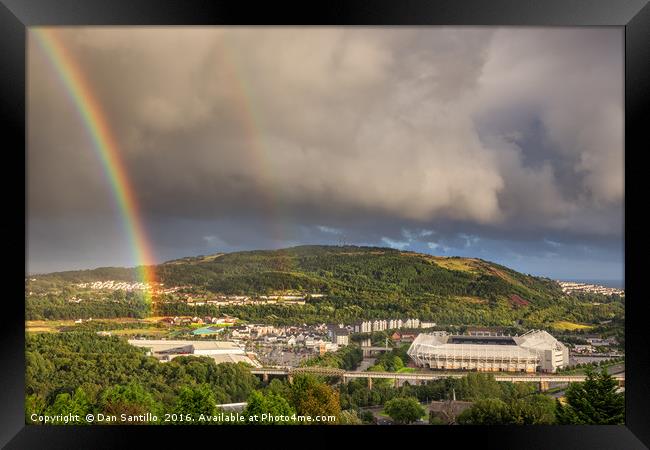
(341, 271)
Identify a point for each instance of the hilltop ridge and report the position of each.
(342, 271)
(339, 284)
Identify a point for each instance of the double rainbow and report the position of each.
(105, 146)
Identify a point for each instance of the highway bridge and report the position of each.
(422, 377)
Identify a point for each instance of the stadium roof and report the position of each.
(525, 345)
(481, 340)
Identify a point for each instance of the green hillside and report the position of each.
(352, 272)
(357, 283)
(349, 271)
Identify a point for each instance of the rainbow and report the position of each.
(251, 122)
(105, 146)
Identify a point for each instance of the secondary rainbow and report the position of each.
(251, 121)
(105, 146)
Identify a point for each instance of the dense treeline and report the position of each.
(595, 401)
(523, 404)
(110, 325)
(347, 358)
(58, 306)
(61, 362)
(81, 373)
(441, 310)
(101, 366)
(85, 276)
(473, 387)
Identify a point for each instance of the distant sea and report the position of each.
(616, 284)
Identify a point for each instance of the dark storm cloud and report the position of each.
(241, 137)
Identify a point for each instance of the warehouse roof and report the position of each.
(162, 345)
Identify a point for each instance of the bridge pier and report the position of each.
(265, 377)
(543, 386)
(370, 383)
(396, 382)
(290, 378)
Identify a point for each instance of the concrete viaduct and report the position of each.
(422, 377)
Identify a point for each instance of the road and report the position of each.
(617, 368)
(367, 362)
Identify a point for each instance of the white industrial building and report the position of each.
(533, 351)
(221, 351)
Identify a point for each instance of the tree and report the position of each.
(279, 387)
(489, 411)
(132, 400)
(235, 379)
(349, 417)
(37, 372)
(361, 397)
(269, 404)
(404, 410)
(76, 404)
(313, 398)
(477, 386)
(34, 404)
(533, 410)
(367, 417)
(196, 400)
(595, 401)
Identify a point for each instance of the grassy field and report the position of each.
(570, 326)
(153, 319)
(46, 326)
(461, 265)
(41, 329)
(53, 326)
(139, 331)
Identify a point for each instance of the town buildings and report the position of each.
(569, 287)
(370, 326)
(339, 335)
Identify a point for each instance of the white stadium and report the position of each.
(534, 351)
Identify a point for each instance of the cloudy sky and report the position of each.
(500, 143)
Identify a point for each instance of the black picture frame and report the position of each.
(633, 15)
